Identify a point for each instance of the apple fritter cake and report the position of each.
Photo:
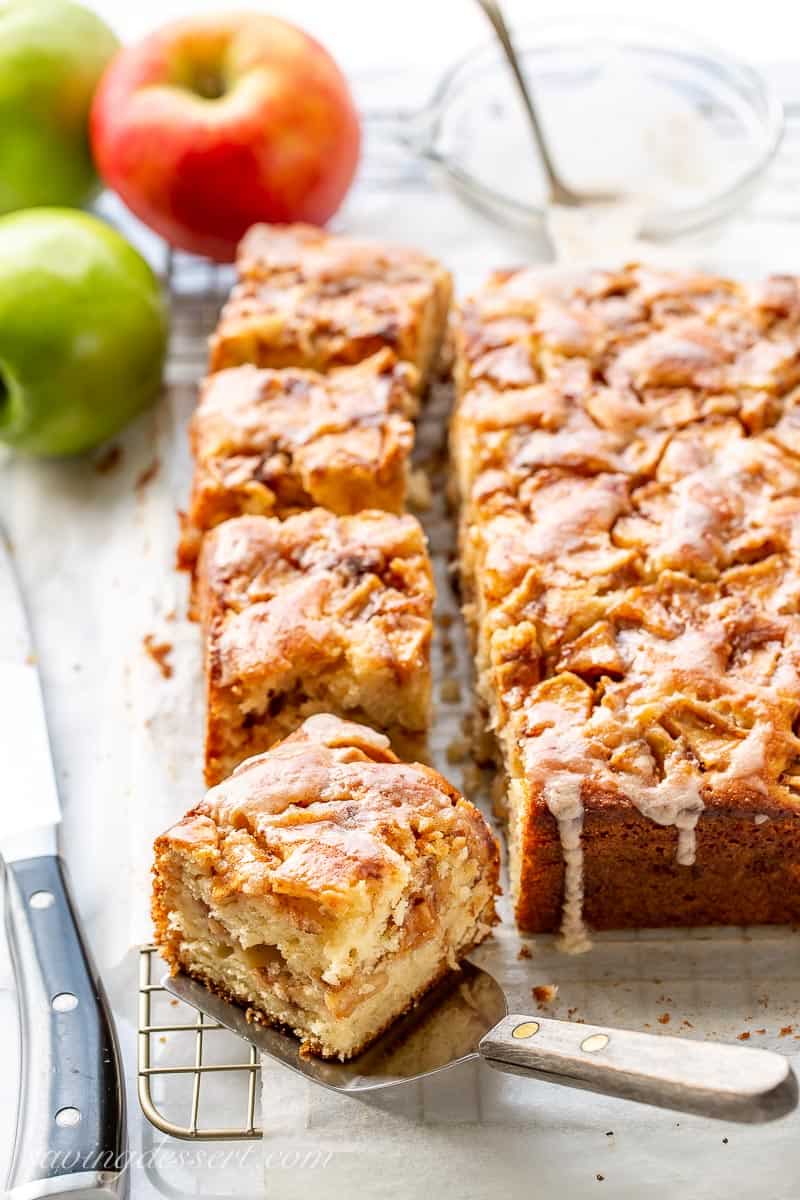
(628, 455)
(275, 442)
(317, 613)
(307, 298)
(325, 885)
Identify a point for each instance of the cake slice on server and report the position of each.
(317, 613)
(325, 885)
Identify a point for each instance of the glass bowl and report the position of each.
(628, 106)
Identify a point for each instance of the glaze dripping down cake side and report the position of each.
(627, 447)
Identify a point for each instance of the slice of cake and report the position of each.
(276, 442)
(311, 299)
(317, 613)
(325, 885)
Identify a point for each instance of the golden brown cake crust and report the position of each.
(277, 442)
(326, 810)
(628, 447)
(316, 300)
(333, 611)
(595, 371)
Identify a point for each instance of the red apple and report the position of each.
(211, 124)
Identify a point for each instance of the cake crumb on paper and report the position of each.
(744, 1035)
(664, 1019)
(148, 475)
(524, 952)
(545, 993)
(786, 1030)
(160, 653)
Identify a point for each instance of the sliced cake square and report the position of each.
(311, 299)
(317, 613)
(275, 442)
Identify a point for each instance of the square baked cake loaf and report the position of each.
(275, 442)
(311, 299)
(317, 613)
(628, 455)
(325, 885)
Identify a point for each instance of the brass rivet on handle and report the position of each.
(595, 1042)
(525, 1030)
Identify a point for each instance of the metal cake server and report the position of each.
(466, 1017)
(70, 1138)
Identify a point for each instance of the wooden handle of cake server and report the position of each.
(712, 1079)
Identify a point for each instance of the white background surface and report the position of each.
(96, 558)
(373, 33)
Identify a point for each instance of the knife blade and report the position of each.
(24, 745)
(71, 1134)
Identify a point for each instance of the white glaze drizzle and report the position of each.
(671, 802)
(562, 795)
(748, 758)
(666, 803)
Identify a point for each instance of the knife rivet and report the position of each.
(67, 1117)
(42, 900)
(594, 1042)
(64, 1002)
(525, 1030)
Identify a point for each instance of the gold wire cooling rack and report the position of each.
(179, 1114)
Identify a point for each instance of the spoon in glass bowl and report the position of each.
(559, 192)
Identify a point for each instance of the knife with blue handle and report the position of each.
(71, 1134)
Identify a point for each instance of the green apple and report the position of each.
(83, 331)
(52, 54)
